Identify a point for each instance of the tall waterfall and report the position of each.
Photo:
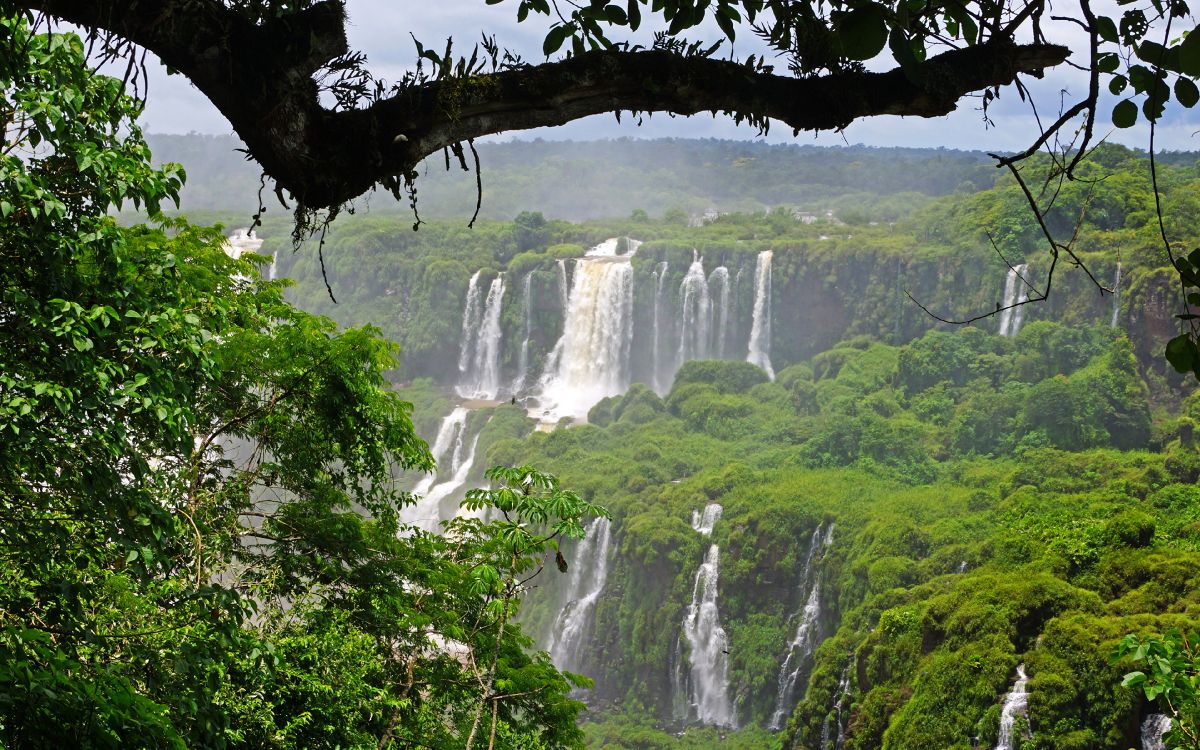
(454, 454)
(1015, 292)
(695, 314)
(273, 269)
(589, 572)
(829, 740)
(523, 356)
(660, 276)
(760, 328)
(704, 521)
(591, 359)
(718, 287)
(708, 683)
(470, 325)
(1116, 311)
(564, 291)
(1154, 727)
(808, 630)
(481, 348)
(1015, 703)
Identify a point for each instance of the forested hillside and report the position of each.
(881, 532)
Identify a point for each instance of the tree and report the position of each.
(327, 131)
(199, 544)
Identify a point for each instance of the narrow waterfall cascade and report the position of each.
(454, 454)
(704, 521)
(831, 739)
(808, 630)
(589, 573)
(718, 288)
(481, 377)
(470, 324)
(660, 276)
(447, 447)
(442, 491)
(1154, 727)
(564, 289)
(523, 355)
(1015, 292)
(708, 646)
(1116, 307)
(760, 327)
(591, 359)
(695, 314)
(1016, 703)
(273, 269)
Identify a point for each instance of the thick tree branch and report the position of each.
(261, 78)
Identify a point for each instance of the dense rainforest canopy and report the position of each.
(204, 489)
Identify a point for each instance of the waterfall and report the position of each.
(443, 490)
(454, 455)
(718, 285)
(523, 356)
(808, 631)
(708, 693)
(481, 377)
(1154, 727)
(1015, 292)
(589, 572)
(760, 328)
(1116, 311)
(273, 269)
(830, 741)
(564, 290)
(695, 314)
(1015, 703)
(591, 359)
(704, 521)
(660, 276)
(470, 324)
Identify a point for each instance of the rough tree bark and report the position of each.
(260, 76)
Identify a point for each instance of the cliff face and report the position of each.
(823, 290)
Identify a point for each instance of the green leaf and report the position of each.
(555, 38)
(1186, 92)
(1181, 353)
(1124, 115)
(1189, 55)
(1106, 28)
(862, 32)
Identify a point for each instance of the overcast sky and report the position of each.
(381, 28)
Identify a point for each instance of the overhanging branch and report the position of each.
(261, 78)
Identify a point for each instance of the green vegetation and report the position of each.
(199, 543)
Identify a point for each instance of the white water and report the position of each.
(443, 490)
(591, 359)
(708, 683)
(273, 269)
(1015, 704)
(808, 631)
(1116, 307)
(760, 328)
(704, 521)
(695, 314)
(1015, 292)
(481, 376)
(454, 455)
(830, 741)
(660, 276)
(470, 324)
(718, 286)
(1154, 727)
(589, 573)
(523, 356)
